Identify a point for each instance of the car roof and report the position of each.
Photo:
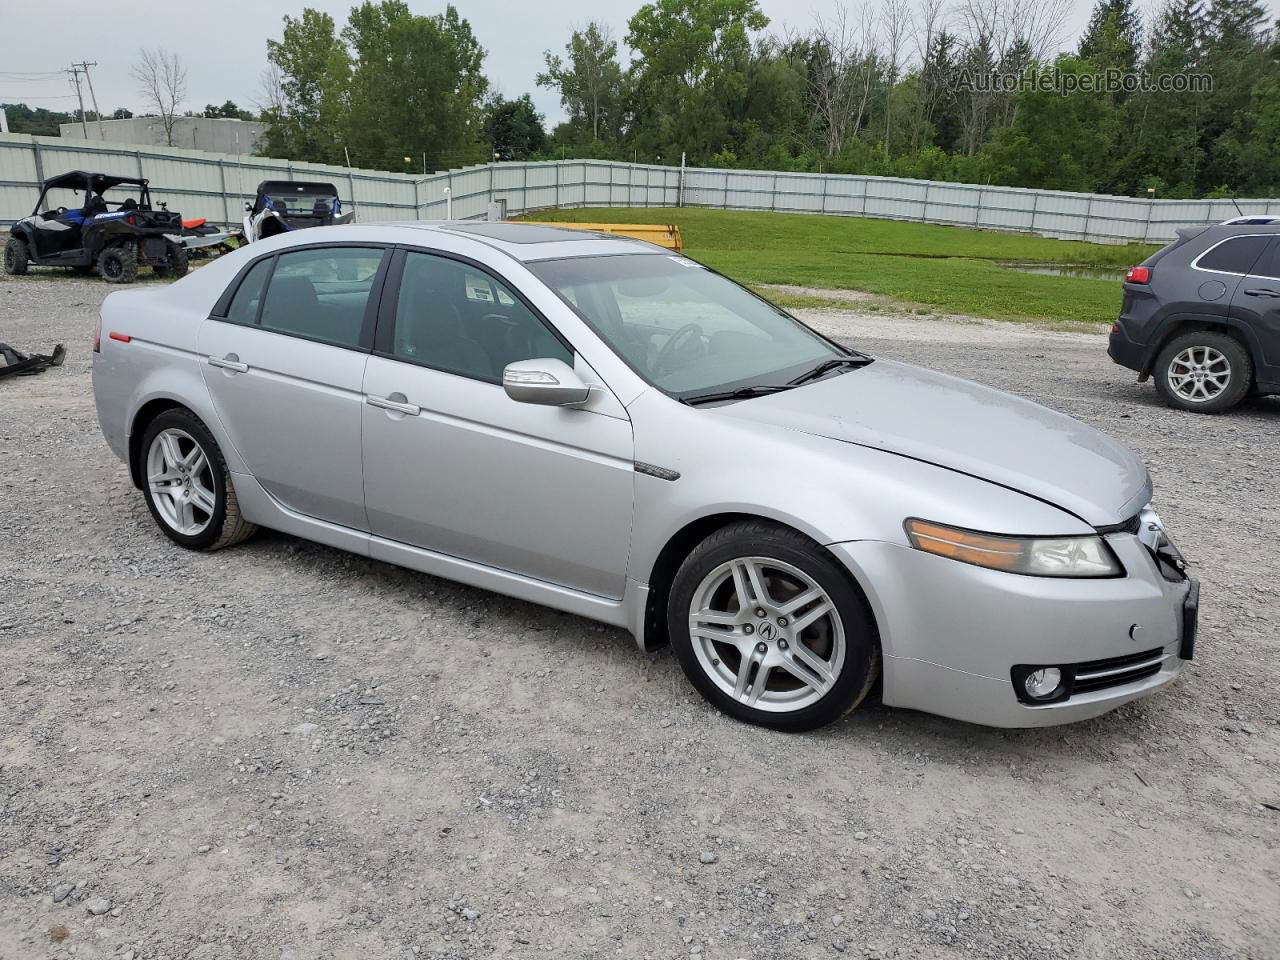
(100, 181)
(530, 242)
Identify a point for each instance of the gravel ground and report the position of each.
(286, 752)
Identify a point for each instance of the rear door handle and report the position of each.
(1262, 292)
(394, 402)
(229, 362)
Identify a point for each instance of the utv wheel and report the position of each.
(769, 629)
(188, 489)
(1203, 372)
(178, 264)
(119, 264)
(15, 257)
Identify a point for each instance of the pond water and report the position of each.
(1068, 270)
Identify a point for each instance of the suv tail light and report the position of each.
(97, 335)
(1138, 275)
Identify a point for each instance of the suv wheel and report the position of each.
(15, 257)
(1204, 372)
(187, 486)
(770, 630)
(119, 264)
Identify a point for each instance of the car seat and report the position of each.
(429, 329)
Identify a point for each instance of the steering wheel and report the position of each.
(675, 343)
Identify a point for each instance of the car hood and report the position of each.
(967, 427)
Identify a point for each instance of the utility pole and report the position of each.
(85, 65)
(75, 78)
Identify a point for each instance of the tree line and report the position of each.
(1182, 102)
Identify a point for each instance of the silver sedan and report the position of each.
(598, 425)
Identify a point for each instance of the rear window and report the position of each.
(1237, 255)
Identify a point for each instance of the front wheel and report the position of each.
(1204, 372)
(15, 257)
(187, 484)
(770, 630)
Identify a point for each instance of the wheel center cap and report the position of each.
(767, 632)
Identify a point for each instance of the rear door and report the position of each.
(454, 465)
(285, 366)
(1256, 305)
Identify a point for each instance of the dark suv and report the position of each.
(1203, 315)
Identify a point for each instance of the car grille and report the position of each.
(1117, 671)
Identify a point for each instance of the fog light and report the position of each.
(1043, 684)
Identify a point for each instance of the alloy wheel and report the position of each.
(180, 479)
(1199, 374)
(767, 634)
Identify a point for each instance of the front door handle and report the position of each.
(396, 402)
(1262, 292)
(229, 362)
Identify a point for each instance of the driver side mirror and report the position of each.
(549, 382)
(248, 207)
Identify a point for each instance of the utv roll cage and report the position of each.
(95, 185)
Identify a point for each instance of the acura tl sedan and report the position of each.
(597, 425)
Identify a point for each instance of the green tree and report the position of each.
(228, 111)
(1056, 142)
(304, 109)
(416, 88)
(514, 129)
(1113, 38)
(691, 71)
(589, 80)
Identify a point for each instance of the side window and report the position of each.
(1236, 255)
(244, 305)
(1269, 265)
(321, 293)
(454, 317)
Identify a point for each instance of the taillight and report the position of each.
(131, 220)
(1138, 275)
(97, 335)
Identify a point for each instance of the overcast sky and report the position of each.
(224, 42)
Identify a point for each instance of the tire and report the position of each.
(841, 642)
(15, 257)
(1204, 372)
(202, 491)
(119, 264)
(179, 261)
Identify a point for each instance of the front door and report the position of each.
(285, 369)
(454, 465)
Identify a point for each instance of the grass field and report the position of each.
(945, 269)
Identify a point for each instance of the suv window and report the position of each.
(321, 293)
(458, 318)
(1236, 255)
(244, 306)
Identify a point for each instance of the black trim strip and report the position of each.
(662, 473)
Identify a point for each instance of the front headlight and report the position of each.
(1086, 556)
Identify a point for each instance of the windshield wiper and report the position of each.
(742, 393)
(827, 366)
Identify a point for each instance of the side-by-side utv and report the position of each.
(284, 205)
(96, 222)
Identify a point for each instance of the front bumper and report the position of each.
(952, 633)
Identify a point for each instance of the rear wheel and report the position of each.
(770, 630)
(178, 261)
(119, 264)
(187, 485)
(1204, 372)
(15, 257)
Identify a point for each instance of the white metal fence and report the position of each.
(217, 185)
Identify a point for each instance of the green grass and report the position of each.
(946, 269)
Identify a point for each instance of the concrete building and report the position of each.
(191, 133)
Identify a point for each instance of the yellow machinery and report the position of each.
(663, 234)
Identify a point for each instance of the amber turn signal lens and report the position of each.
(1001, 553)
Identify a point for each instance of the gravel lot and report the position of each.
(286, 752)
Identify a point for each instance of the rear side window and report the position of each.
(1237, 255)
(244, 306)
(321, 294)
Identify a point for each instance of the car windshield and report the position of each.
(296, 204)
(685, 329)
